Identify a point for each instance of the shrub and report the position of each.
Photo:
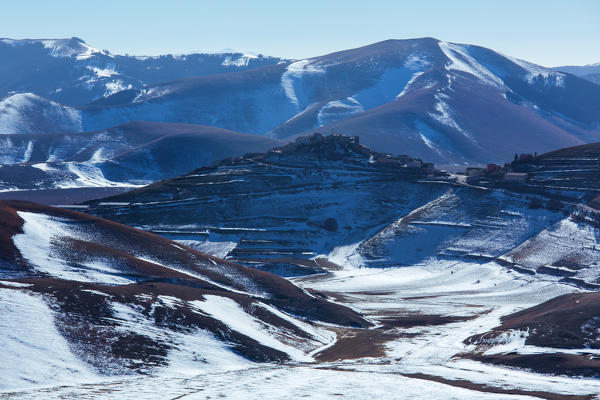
(330, 224)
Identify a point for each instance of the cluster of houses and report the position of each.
(496, 174)
(405, 161)
(332, 145)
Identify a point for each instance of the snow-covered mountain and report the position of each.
(86, 299)
(70, 71)
(590, 72)
(133, 154)
(29, 113)
(445, 102)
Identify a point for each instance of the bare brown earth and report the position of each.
(412, 320)
(587, 365)
(357, 343)
(565, 322)
(361, 343)
(62, 196)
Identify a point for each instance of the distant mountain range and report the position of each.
(69, 71)
(135, 153)
(590, 72)
(449, 103)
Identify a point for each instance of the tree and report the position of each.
(330, 224)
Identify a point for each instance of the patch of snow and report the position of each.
(15, 284)
(240, 60)
(16, 113)
(214, 248)
(231, 314)
(338, 109)
(116, 86)
(28, 151)
(443, 114)
(428, 143)
(33, 351)
(534, 71)
(461, 60)
(507, 342)
(412, 79)
(193, 352)
(39, 244)
(292, 78)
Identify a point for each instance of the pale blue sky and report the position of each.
(547, 32)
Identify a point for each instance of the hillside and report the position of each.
(127, 155)
(96, 299)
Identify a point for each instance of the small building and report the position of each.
(516, 177)
(414, 164)
(428, 167)
(492, 168)
(473, 179)
(474, 171)
(388, 160)
(526, 157)
(302, 140)
(316, 138)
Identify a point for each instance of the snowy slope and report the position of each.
(28, 113)
(110, 300)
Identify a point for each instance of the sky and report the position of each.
(546, 32)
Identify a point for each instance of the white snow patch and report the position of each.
(231, 314)
(409, 83)
(550, 77)
(428, 142)
(214, 248)
(33, 351)
(39, 245)
(239, 61)
(16, 115)
(294, 74)
(15, 284)
(461, 60)
(443, 114)
(28, 151)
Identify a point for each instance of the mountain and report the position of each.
(69, 71)
(445, 102)
(96, 299)
(590, 72)
(29, 113)
(127, 155)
